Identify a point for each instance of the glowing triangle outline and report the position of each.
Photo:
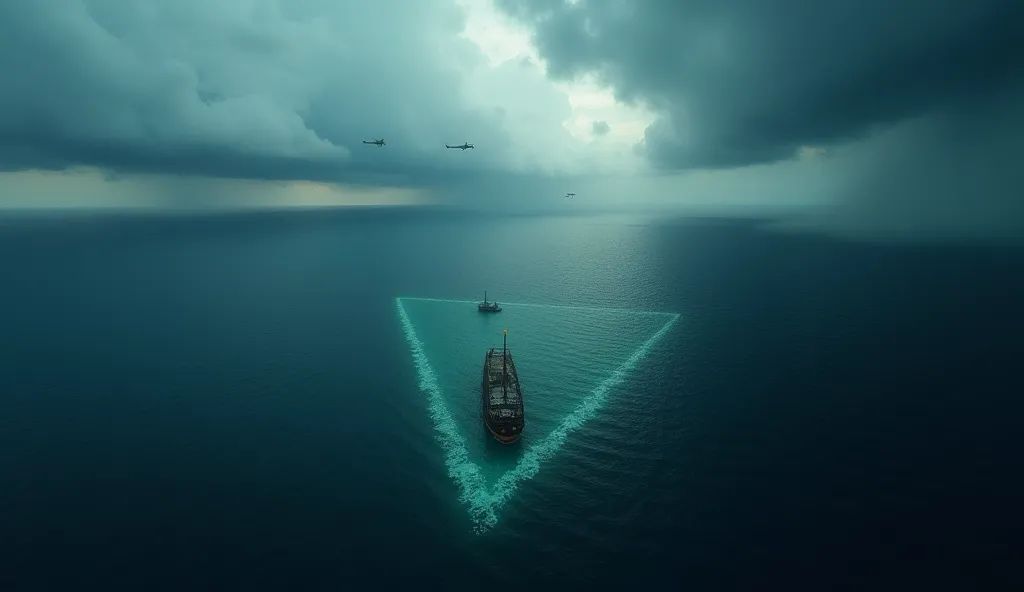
(483, 502)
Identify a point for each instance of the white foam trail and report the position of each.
(483, 503)
(529, 464)
(533, 305)
(464, 471)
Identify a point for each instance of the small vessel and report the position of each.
(500, 397)
(488, 306)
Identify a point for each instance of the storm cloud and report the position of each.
(261, 89)
(902, 118)
(913, 110)
(747, 82)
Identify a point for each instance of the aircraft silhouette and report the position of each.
(462, 147)
(379, 142)
(570, 195)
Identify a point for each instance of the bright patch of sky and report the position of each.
(503, 42)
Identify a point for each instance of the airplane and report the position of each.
(570, 195)
(462, 147)
(379, 142)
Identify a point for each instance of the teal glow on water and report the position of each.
(233, 402)
(569, 359)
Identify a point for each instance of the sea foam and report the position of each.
(483, 503)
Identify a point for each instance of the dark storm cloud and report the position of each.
(749, 81)
(241, 88)
(601, 128)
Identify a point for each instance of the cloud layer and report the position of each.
(902, 118)
(911, 112)
(258, 89)
(747, 82)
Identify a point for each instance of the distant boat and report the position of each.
(501, 399)
(488, 306)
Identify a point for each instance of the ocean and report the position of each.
(288, 400)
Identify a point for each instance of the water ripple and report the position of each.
(483, 503)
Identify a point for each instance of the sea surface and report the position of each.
(289, 401)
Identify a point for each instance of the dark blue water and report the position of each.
(227, 402)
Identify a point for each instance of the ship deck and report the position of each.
(509, 406)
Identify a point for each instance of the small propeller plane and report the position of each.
(570, 195)
(462, 147)
(379, 142)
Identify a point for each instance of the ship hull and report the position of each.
(502, 416)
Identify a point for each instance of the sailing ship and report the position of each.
(500, 398)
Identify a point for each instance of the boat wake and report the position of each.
(483, 503)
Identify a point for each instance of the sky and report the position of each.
(894, 120)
